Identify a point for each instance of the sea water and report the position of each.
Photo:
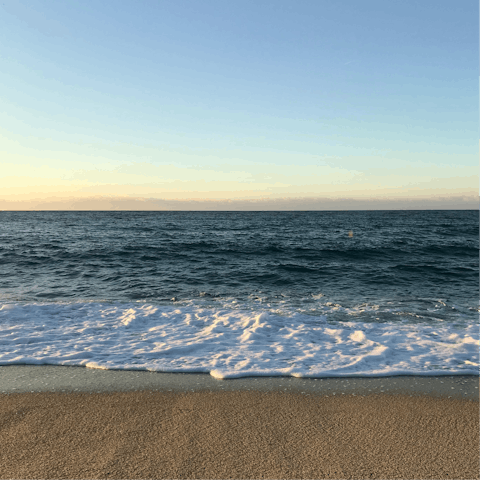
(235, 294)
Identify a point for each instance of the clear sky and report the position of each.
(238, 101)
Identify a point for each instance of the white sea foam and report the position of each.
(229, 342)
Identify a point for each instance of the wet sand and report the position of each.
(110, 425)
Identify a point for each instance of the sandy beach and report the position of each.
(174, 431)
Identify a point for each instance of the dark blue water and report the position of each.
(158, 256)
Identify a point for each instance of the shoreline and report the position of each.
(54, 378)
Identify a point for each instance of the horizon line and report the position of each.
(259, 211)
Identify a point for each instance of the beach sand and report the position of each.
(169, 431)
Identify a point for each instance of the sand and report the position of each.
(239, 433)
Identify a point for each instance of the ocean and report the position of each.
(237, 294)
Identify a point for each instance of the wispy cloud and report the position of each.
(440, 202)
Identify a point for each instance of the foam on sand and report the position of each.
(230, 343)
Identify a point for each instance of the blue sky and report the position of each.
(223, 100)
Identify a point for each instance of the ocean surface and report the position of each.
(235, 294)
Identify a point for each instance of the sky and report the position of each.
(239, 104)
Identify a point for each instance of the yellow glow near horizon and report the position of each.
(42, 171)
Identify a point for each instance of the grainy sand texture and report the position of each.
(238, 435)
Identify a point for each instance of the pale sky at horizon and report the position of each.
(246, 100)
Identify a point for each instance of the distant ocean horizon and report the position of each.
(234, 294)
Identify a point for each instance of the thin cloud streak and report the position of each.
(99, 203)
